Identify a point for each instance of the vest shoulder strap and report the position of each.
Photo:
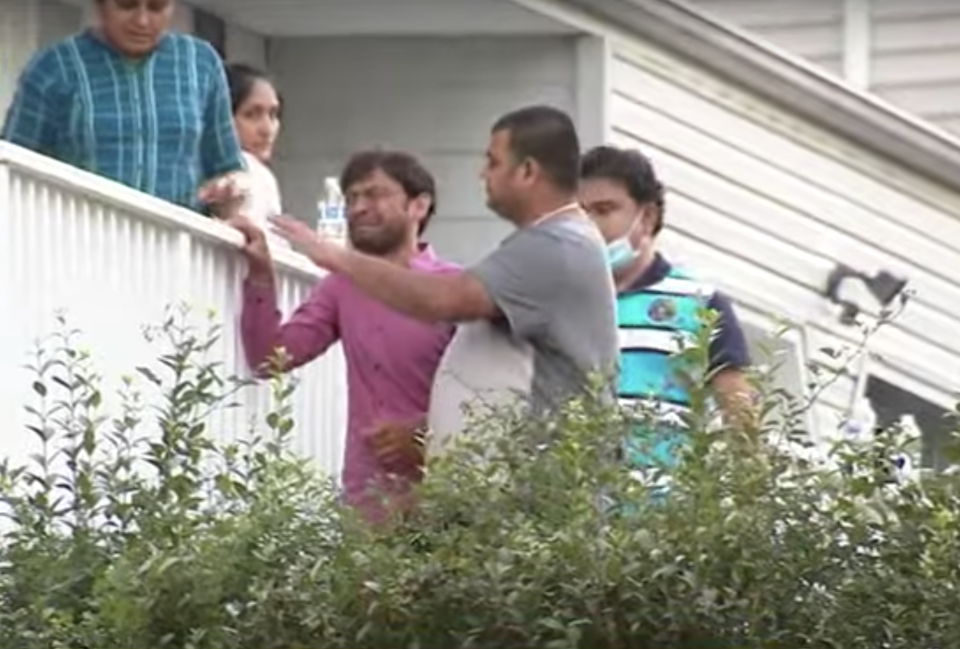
(681, 282)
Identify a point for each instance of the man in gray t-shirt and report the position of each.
(537, 316)
(552, 285)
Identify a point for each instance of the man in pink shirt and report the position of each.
(391, 358)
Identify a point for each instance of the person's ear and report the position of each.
(643, 234)
(419, 207)
(528, 171)
(650, 216)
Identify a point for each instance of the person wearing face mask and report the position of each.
(656, 302)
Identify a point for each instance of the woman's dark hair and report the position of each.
(242, 78)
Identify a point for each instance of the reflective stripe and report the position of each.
(669, 342)
(669, 414)
(682, 286)
(653, 404)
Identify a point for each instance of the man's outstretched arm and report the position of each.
(433, 297)
(512, 282)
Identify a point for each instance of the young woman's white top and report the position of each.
(263, 199)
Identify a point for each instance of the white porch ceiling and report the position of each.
(382, 17)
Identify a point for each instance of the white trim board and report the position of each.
(857, 45)
(594, 57)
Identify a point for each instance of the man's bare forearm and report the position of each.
(420, 295)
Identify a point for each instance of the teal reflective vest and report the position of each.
(654, 322)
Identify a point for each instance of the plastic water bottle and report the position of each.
(331, 209)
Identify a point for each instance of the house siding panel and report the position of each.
(916, 57)
(434, 97)
(914, 48)
(812, 29)
(766, 215)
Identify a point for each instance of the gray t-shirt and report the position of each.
(552, 283)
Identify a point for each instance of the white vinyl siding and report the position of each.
(811, 29)
(764, 206)
(912, 56)
(916, 57)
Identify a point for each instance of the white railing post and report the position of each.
(184, 266)
(7, 306)
(114, 259)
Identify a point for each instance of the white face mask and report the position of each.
(621, 251)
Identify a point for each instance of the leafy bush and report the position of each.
(134, 530)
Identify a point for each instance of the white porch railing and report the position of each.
(113, 259)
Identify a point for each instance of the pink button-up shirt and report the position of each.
(391, 360)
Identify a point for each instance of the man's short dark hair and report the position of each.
(400, 167)
(631, 169)
(547, 136)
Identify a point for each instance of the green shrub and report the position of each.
(132, 529)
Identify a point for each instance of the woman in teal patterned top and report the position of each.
(134, 102)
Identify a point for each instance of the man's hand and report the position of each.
(225, 194)
(325, 253)
(399, 445)
(736, 398)
(255, 249)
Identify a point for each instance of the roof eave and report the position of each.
(784, 80)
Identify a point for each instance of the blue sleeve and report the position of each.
(728, 348)
(37, 111)
(219, 147)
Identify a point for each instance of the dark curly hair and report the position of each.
(631, 169)
(402, 168)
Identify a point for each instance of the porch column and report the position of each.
(19, 33)
(593, 90)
